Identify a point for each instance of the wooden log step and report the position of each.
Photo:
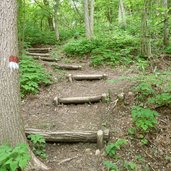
(38, 54)
(39, 50)
(80, 100)
(64, 66)
(45, 59)
(87, 77)
(70, 136)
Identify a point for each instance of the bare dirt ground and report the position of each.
(40, 112)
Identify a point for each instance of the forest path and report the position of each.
(40, 112)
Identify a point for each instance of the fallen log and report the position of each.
(39, 50)
(38, 54)
(45, 59)
(68, 136)
(80, 100)
(87, 77)
(62, 66)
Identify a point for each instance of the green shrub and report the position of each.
(104, 50)
(113, 147)
(14, 158)
(38, 145)
(32, 75)
(34, 36)
(110, 165)
(130, 165)
(154, 90)
(144, 119)
(168, 49)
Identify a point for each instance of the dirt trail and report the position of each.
(40, 112)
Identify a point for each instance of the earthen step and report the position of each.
(80, 100)
(87, 77)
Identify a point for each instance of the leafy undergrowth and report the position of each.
(147, 138)
(14, 158)
(32, 75)
(117, 49)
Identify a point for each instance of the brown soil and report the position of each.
(39, 112)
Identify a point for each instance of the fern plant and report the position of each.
(38, 145)
(32, 75)
(144, 119)
(14, 158)
(113, 147)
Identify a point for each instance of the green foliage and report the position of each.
(144, 119)
(130, 165)
(160, 99)
(32, 75)
(113, 147)
(104, 50)
(154, 90)
(110, 165)
(168, 49)
(34, 36)
(38, 145)
(144, 141)
(14, 158)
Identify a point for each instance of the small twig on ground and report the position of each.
(113, 104)
(148, 154)
(67, 160)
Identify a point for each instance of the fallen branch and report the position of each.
(80, 100)
(68, 136)
(67, 160)
(87, 77)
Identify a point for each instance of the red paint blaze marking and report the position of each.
(13, 59)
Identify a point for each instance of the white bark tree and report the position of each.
(145, 32)
(11, 124)
(121, 15)
(56, 7)
(166, 24)
(89, 18)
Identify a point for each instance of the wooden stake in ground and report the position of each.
(70, 136)
(80, 100)
(100, 139)
(87, 77)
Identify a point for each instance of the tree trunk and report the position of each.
(166, 24)
(56, 7)
(145, 39)
(89, 17)
(49, 18)
(122, 15)
(11, 123)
